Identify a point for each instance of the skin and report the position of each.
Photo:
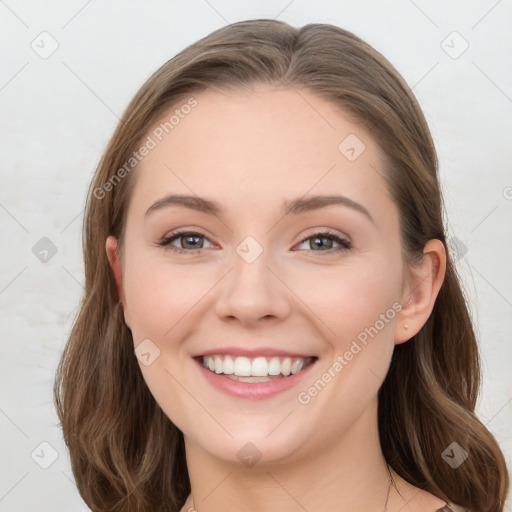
(252, 150)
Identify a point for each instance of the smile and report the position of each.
(253, 378)
(256, 369)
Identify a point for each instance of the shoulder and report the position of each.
(451, 507)
(420, 500)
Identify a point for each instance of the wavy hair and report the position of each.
(126, 455)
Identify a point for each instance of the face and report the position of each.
(265, 283)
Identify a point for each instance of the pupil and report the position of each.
(191, 237)
(321, 238)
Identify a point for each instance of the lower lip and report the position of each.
(256, 390)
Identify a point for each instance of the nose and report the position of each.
(253, 293)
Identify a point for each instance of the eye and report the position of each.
(318, 240)
(190, 241)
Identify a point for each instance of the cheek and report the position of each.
(359, 306)
(160, 294)
(351, 298)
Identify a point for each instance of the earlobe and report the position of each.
(420, 295)
(115, 265)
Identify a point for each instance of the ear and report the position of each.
(421, 291)
(116, 266)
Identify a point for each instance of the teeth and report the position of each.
(296, 366)
(257, 367)
(274, 366)
(229, 365)
(242, 367)
(286, 366)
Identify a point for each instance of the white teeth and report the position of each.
(242, 367)
(229, 365)
(274, 366)
(257, 367)
(285, 366)
(296, 366)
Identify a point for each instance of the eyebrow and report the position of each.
(294, 207)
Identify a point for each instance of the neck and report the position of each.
(348, 472)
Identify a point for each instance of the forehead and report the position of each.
(258, 148)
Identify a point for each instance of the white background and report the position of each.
(58, 113)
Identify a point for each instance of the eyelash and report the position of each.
(166, 242)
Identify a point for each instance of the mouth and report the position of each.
(254, 370)
(253, 373)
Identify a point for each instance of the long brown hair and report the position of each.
(126, 455)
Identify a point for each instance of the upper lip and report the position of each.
(252, 353)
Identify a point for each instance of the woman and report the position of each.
(271, 318)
